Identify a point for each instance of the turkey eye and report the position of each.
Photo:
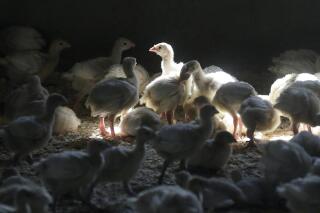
(160, 48)
(61, 43)
(124, 43)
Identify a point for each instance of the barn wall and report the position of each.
(239, 35)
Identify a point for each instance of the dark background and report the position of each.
(241, 36)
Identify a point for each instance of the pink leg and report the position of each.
(102, 127)
(111, 120)
(235, 124)
(240, 126)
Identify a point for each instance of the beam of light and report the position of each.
(264, 97)
(270, 137)
(228, 122)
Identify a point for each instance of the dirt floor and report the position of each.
(111, 197)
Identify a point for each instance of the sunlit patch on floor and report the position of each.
(96, 133)
(284, 136)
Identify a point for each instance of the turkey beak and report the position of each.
(153, 49)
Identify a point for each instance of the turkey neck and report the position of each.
(33, 89)
(167, 63)
(206, 127)
(116, 54)
(131, 75)
(49, 114)
(198, 76)
(51, 63)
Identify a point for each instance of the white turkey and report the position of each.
(65, 121)
(168, 65)
(165, 93)
(206, 82)
(300, 105)
(283, 83)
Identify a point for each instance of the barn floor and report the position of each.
(111, 197)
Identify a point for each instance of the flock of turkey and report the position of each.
(183, 113)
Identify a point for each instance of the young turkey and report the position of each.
(181, 141)
(214, 154)
(141, 116)
(214, 193)
(166, 199)
(168, 65)
(258, 115)
(20, 65)
(309, 142)
(122, 95)
(283, 161)
(283, 83)
(20, 38)
(228, 99)
(84, 75)
(165, 93)
(72, 172)
(121, 164)
(302, 194)
(28, 133)
(28, 99)
(38, 198)
(208, 81)
(300, 105)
